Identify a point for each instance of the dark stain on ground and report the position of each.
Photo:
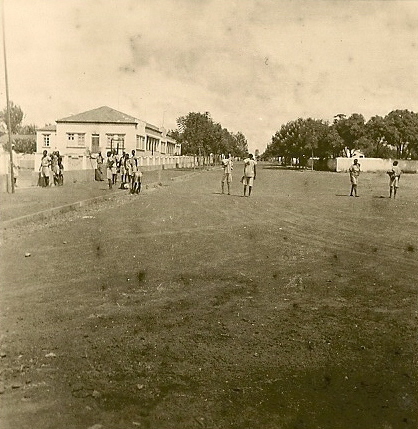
(140, 277)
(410, 248)
(185, 279)
(99, 251)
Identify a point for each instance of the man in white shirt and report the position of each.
(250, 173)
(394, 176)
(227, 174)
(354, 171)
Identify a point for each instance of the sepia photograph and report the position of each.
(209, 214)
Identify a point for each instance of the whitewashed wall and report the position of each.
(375, 164)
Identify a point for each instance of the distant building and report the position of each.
(103, 129)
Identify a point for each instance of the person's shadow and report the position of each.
(226, 194)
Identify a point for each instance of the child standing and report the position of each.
(394, 176)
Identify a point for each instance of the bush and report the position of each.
(22, 145)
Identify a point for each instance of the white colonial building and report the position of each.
(103, 129)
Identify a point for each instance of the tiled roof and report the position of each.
(152, 127)
(102, 114)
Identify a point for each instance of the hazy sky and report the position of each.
(253, 64)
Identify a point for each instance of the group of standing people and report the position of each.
(125, 166)
(51, 168)
(394, 175)
(250, 173)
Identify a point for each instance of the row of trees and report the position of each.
(395, 135)
(200, 135)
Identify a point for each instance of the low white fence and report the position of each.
(84, 162)
(372, 164)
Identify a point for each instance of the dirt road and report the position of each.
(185, 308)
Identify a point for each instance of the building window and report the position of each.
(115, 142)
(95, 143)
(140, 142)
(70, 137)
(152, 144)
(46, 140)
(81, 140)
(109, 138)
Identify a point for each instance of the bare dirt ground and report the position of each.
(184, 308)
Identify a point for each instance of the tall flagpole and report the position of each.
(12, 179)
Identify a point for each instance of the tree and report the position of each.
(196, 133)
(316, 140)
(402, 132)
(224, 142)
(374, 142)
(350, 130)
(22, 145)
(16, 117)
(200, 135)
(281, 143)
(241, 145)
(331, 145)
(300, 139)
(29, 129)
(394, 135)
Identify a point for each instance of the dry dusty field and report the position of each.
(183, 308)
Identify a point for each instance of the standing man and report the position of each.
(99, 170)
(44, 169)
(109, 162)
(61, 170)
(124, 170)
(15, 166)
(250, 173)
(133, 168)
(115, 167)
(136, 176)
(227, 174)
(354, 171)
(394, 176)
(55, 168)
